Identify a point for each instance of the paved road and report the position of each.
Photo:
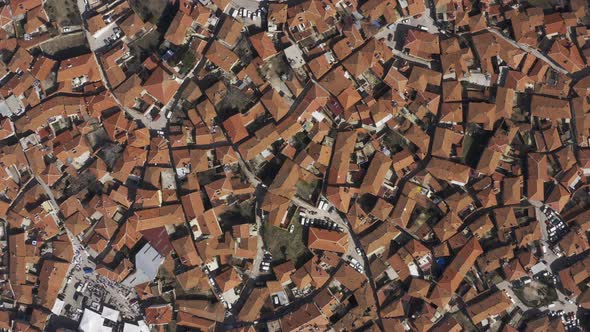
(424, 20)
(339, 220)
(161, 122)
(113, 294)
(549, 257)
(506, 287)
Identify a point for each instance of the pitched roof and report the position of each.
(230, 32)
(221, 56)
(455, 272)
(263, 45)
(322, 239)
(161, 85)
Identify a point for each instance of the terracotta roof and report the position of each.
(221, 56)
(340, 165)
(159, 314)
(178, 28)
(550, 108)
(455, 272)
(161, 85)
(449, 171)
(253, 305)
(132, 26)
(491, 305)
(263, 45)
(51, 277)
(276, 104)
(422, 44)
(322, 239)
(230, 32)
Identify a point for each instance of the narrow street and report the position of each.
(113, 294)
(531, 50)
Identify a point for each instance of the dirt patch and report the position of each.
(65, 46)
(233, 102)
(536, 294)
(64, 12)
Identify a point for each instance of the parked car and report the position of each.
(359, 251)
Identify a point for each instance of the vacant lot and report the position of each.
(284, 245)
(234, 101)
(242, 213)
(306, 190)
(149, 10)
(536, 294)
(64, 12)
(543, 3)
(65, 46)
(473, 145)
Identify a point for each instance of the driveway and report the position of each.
(424, 20)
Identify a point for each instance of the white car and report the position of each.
(291, 228)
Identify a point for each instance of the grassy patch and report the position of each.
(393, 141)
(149, 10)
(305, 189)
(242, 213)
(284, 245)
(188, 62)
(19, 29)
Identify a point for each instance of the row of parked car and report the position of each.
(266, 259)
(247, 13)
(355, 264)
(556, 228)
